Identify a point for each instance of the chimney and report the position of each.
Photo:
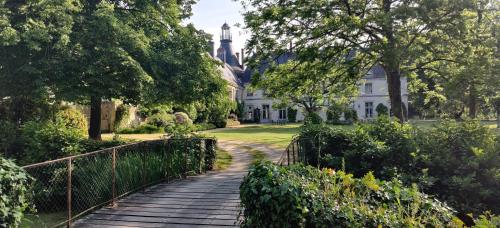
(238, 56)
(242, 58)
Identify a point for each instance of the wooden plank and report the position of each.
(149, 219)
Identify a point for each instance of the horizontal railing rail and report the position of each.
(67, 188)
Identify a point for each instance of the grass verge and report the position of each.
(223, 159)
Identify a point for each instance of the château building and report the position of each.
(373, 89)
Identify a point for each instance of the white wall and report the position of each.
(379, 95)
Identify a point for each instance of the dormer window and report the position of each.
(249, 94)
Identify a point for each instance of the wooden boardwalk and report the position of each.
(210, 200)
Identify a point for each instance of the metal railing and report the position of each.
(68, 188)
(292, 154)
(301, 150)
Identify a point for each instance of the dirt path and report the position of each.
(209, 200)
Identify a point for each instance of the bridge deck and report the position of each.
(210, 200)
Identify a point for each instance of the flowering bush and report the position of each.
(304, 196)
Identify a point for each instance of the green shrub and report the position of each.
(300, 196)
(456, 162)
(350, 115)
(14, 200)
(142, 129)
(462, 161)
(182, 118)
(292, 115)
(48, 140)
(381, 110)
(313, 118)
(121, 117)
(211, 153)
(161, 120)
(72, 118)
(7, 136)
(334, 112)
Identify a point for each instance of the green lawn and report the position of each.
(278, 136)
(223, 159)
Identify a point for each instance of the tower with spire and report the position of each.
(225, 51)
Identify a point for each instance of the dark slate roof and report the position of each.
(247, 75)
(377, 71)
(230, 74)
(231, 58)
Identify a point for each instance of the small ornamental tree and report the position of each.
(382, 110)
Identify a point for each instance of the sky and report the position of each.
(209, 15)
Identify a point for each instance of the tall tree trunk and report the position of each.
(95, 118)
(391, 64)
(472, 100)
(394, 86)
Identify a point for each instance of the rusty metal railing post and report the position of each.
(185, 158)
(288, 155)
(68, 192)
(293, 152)
(144, 182)
(113, 175)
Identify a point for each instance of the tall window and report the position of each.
(265, 112)
(368, 88)
(282, 114)
(369, 109)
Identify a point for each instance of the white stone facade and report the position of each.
(364, 104)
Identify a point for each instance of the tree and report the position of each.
(112, 47)
(387, 32)
(302, 84)
(32, 36)
(470, 79)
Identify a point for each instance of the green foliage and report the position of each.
(7, 136)
(161, 120)
(72, 118)
(292, 115)
(121, 117)
(210, 153)
(48, 140)
(401, 42)
(312, 118)
(460, 160)
(381, 109)
(303, 196)
(14, 194)
(454, 161)
(350, 115)
(303, 85)
(334, 112)
(240, 109)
